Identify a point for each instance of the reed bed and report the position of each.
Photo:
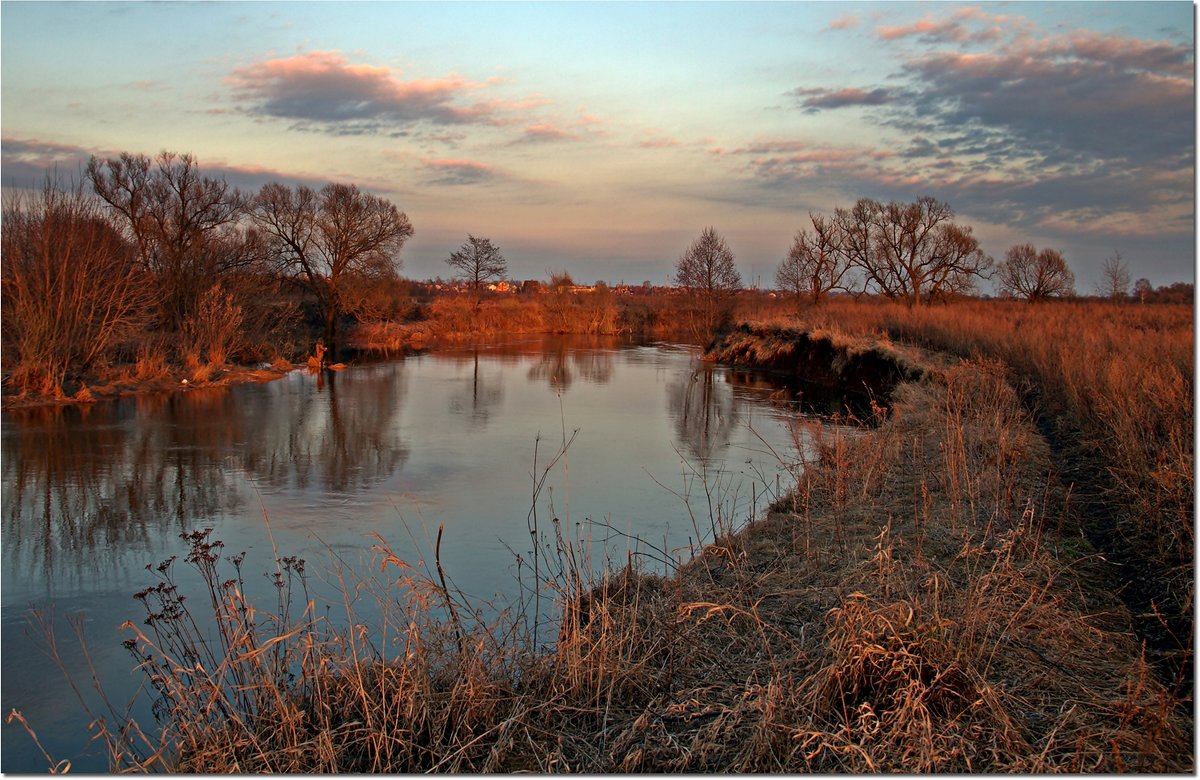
(918, 603)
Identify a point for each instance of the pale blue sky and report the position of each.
(599, 138)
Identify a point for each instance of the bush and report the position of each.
(72, 287)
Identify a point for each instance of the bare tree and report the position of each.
(186, 226)
(1142, 289)
(707, 271)
(331, 240)
(816, 263)
(478, 262)
(1114, 283)
(911, 251)
(1033, 275)
(72, 286)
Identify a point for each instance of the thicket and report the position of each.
(151, 268)
(72, 288)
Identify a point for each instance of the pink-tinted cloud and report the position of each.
(26, 162)
(654, 138)
(815, 99)
(806, 151)
(325, 87)
(1118, 51)
(1082, 98)
(844, 23)
(253, 177)
(587, 120)
(658, 142)
(457, 172)
(963, 26)
(542, 132)
(1026, 129)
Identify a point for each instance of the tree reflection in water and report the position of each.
(82, 485)
(704, 412)
(93, 494)
(559, 358)
(86, 488)
(483, 394)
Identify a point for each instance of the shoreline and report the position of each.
(88, 394)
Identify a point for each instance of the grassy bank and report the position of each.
(921, 602)
(1112, 385)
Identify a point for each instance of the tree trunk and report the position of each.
(331, 333)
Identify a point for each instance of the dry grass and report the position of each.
(1116, 382)
(912, 606)
(455, 317)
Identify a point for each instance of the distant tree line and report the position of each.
(149, 262)
(916, 253)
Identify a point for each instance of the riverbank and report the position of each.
(922, 601)
(166, 381)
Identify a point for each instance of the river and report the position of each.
(664, 447)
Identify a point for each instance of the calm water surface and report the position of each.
(93, 495)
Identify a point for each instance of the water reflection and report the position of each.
(93, 494)
(702, 406)
(349, 438)
(560, 359)
(84, 487)
(483, 392)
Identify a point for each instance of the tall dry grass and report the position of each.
(602, 311)
(1115, 379)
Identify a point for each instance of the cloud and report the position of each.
(1085, 99)
(461, 172)
(844, 23)
(542, 132)
(960, 27)
(931, 31)
(251, 178)
(657, 142)
(587, 120)
(1055, 132)
(26, 148)
(816, 99)
(27, 161)
(779, 165)
(656, 138)
(327, 89)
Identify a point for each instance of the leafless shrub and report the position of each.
(72, 287)
(214, 329)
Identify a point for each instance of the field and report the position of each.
(935, 594)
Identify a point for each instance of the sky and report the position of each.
(602, 138)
